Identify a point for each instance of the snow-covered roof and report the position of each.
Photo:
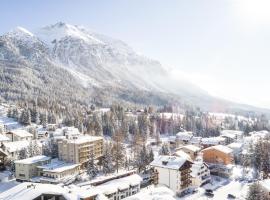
(235, 145)
(155, 193)
(3, 138)
(192, 147)
(182, 154)
(171, 162)
(32, 160)
(84, 139)
(184, 135)
(233, 132)
(119, 184)
(16, 146)
(29, 190)
(57, 166)
(21, 133)
(213, 140)
(220, 148)
(195, 140)
(266, 184)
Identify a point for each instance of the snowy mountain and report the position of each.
(63, 58)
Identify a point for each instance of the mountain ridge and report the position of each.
(99, 64)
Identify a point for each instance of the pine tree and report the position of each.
(255, 192)
(164, 150)
(118, 150)
(22, 154)
(92, 169)
(107, 162)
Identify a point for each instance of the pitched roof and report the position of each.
(220, 148)
(171, 162)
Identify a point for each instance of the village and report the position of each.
(180, 166)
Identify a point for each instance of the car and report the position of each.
(209, 191)
(209, 194)
(230, 196)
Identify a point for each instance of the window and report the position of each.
(22, 175)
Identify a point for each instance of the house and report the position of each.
(181, 153)
(120, 188)
(3, 138)
(200, 172)
(218, 154)
(191, 150)
(79, 150)
(58, 171)
(183, 138)
(27, 168)
(212, 141)
(13, 148)
(196, 141)
(38, 191)
(174, 172)
(231, 135)
(19, 135)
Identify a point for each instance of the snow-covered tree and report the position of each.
(107, 162)
(164, 150)
(92, 169)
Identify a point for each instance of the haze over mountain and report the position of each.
(67, 62)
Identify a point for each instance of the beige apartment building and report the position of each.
(79, 150)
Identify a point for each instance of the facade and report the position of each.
(121, 188)
(79, 150)
(58, 171)
(200, 172)
(174, 172)
(218, 155)
(27, 168)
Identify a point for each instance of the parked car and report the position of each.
(230, 196)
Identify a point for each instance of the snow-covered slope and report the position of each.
(105, 66)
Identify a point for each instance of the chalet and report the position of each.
(191, 150)
(183, 138)
(19, 135)
(212, 141)
(174, 172)
(218, 154)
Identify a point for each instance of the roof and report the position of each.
(16, 146)
(183, 154)
(118, 184)
(266, 184)
(220, 148)
(3, 138)
(29, 190)
(235, 145)
(84, 139)
(192, 147)
(170, 162)
(21, 133)
(34, 159)
(213, 140)
(57, 166)
(232, 132)
(184, 135)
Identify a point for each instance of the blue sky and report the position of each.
(222, 46)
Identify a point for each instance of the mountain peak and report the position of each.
(19, 33)
(60, 30)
